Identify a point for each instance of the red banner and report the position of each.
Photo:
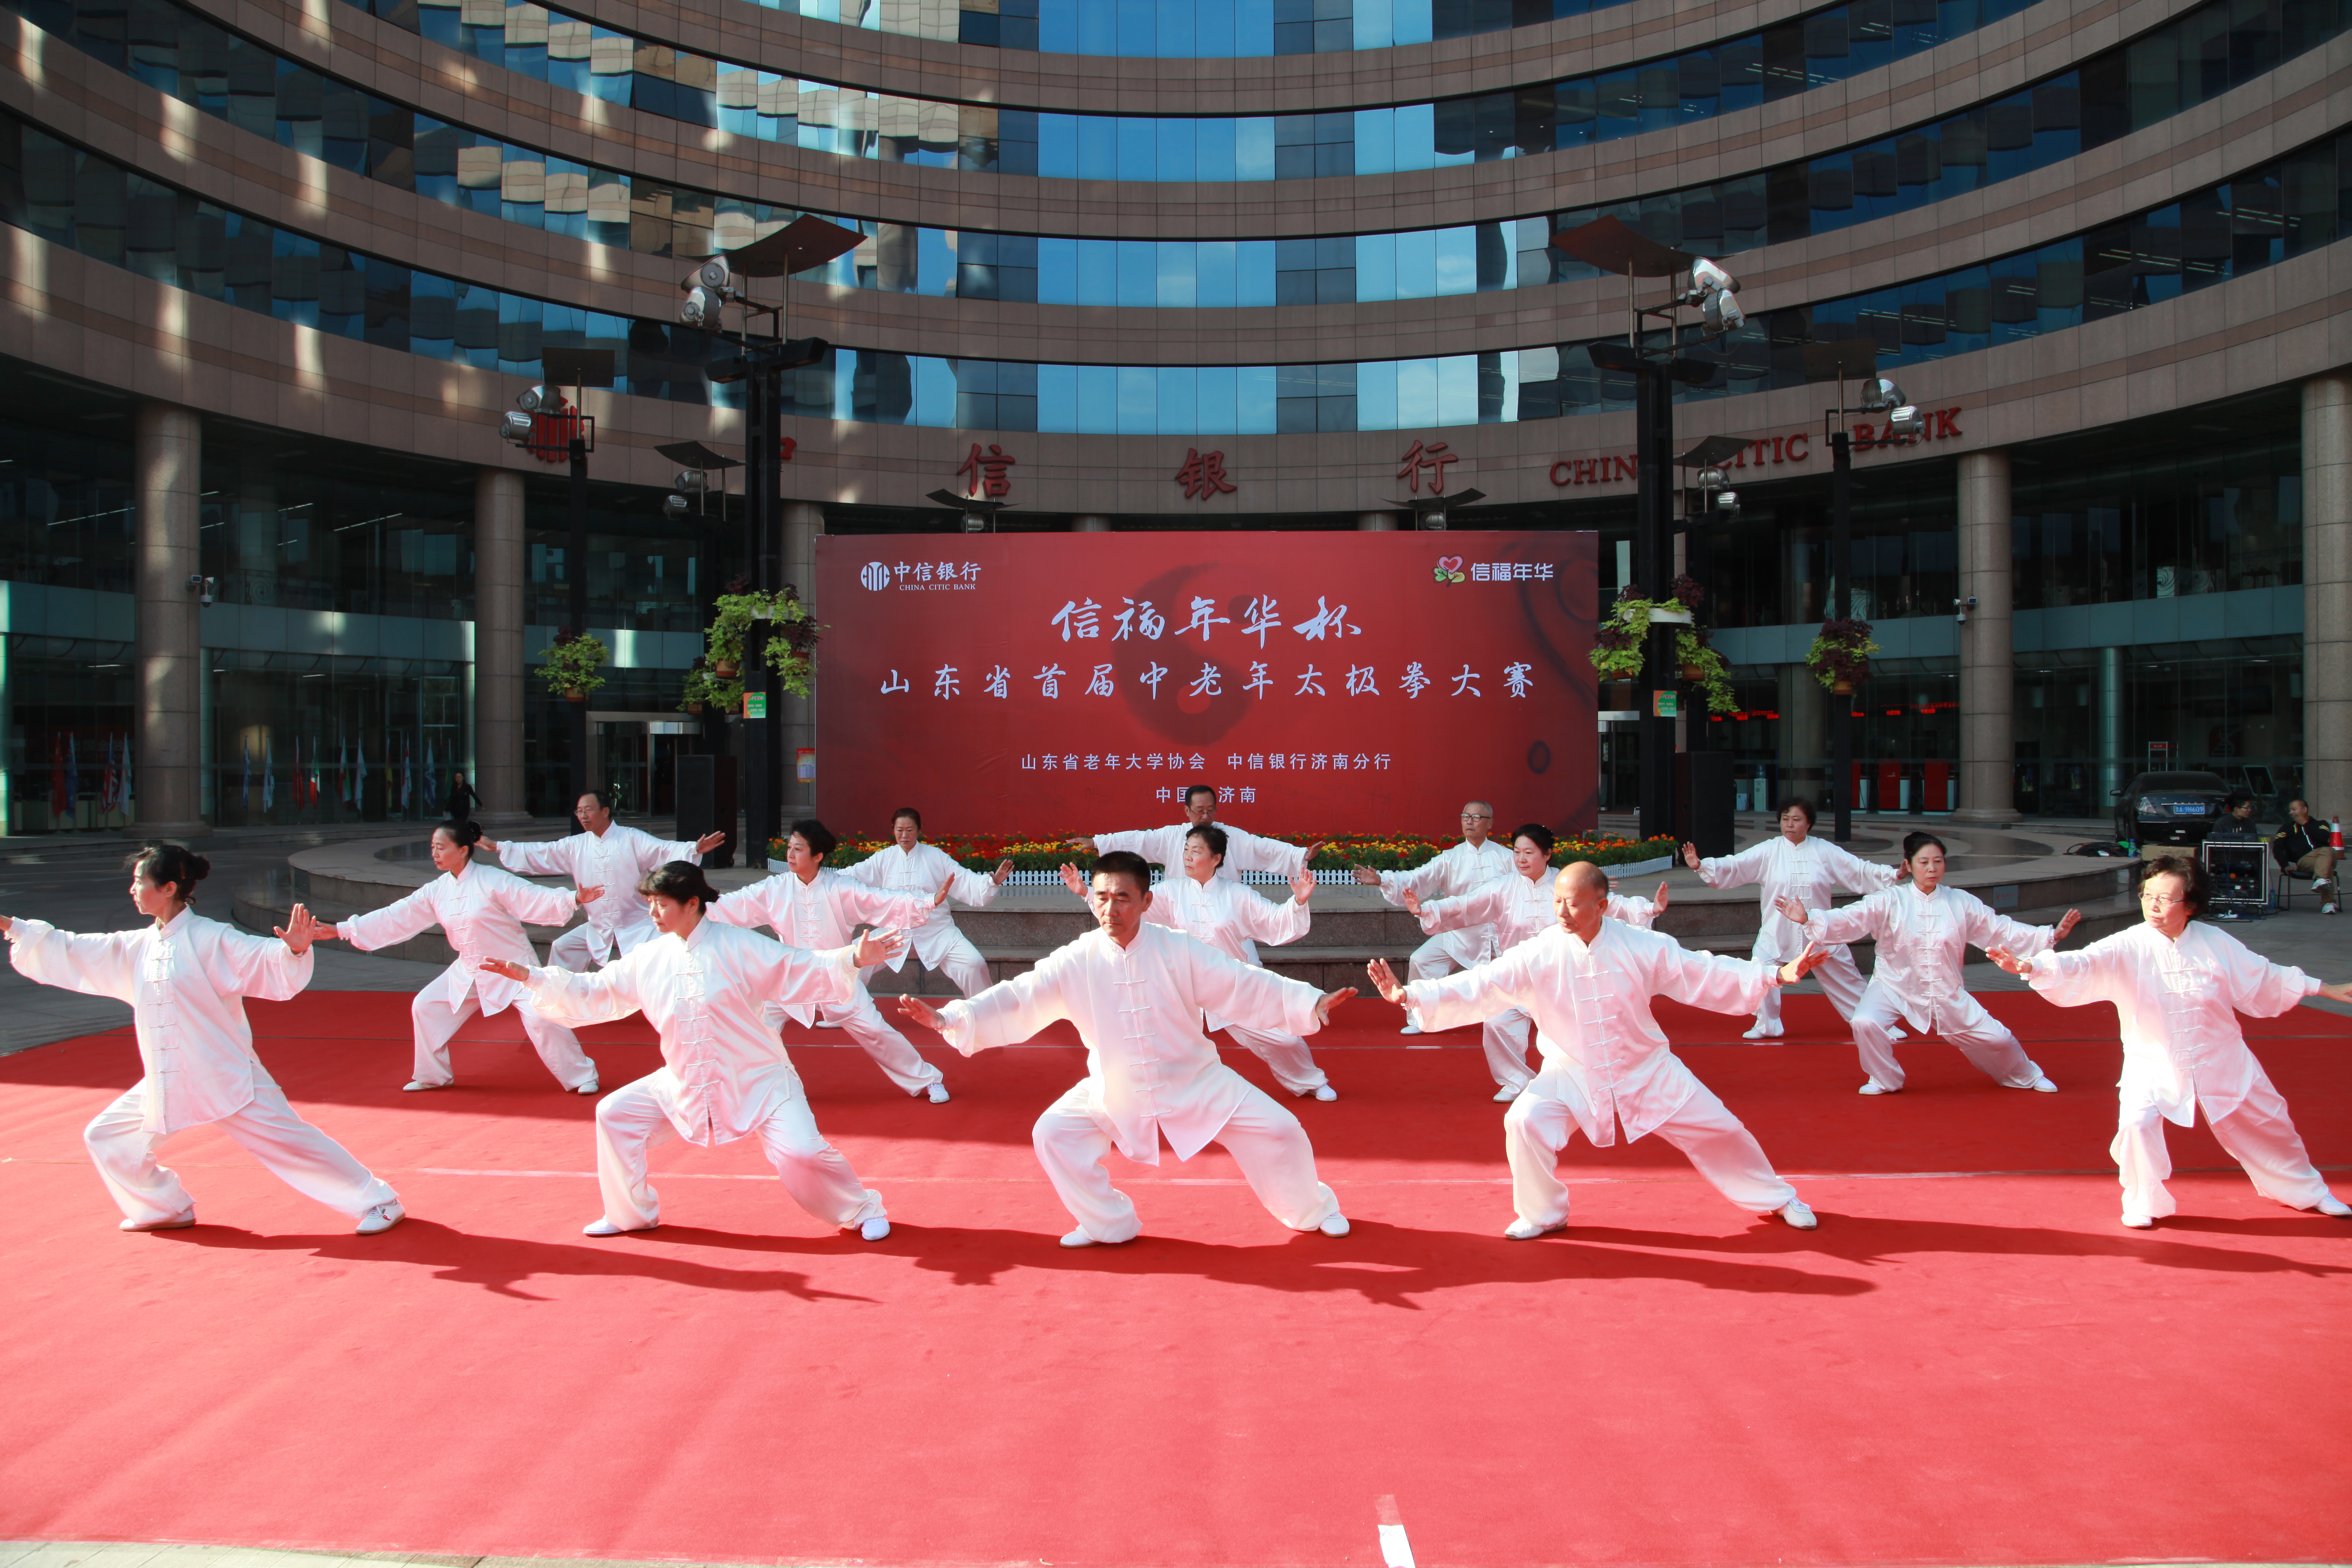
(1058, 683)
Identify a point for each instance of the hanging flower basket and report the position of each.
(1840, 656)
(1622, 643)
(790, 652)
(724, 669)
(574, 664)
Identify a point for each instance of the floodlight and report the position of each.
(700, 306)
(1907, 421)
(676, 507)
(531, 399)
(1879, 394)
(715, 274)
(691, 480)
(516, 428)
(1721, 314)
(1727, 500)
(1711, 478)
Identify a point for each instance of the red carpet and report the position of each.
(1969, 1362)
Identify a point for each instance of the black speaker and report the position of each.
(707, 803)
(1702, 801)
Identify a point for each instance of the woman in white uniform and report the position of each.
(607, 854)
(186, 979)
(1794, 863)
(1924, 933)
(913, 869)
(1515, 907)
(481, 910)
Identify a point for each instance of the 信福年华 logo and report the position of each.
(1449, 569)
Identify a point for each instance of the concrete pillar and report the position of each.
(166, 482)
(1804, 733)
(2113, 772)
(1089, 522)
(497, 645)
(803, 523)
(1988, 659)
(2327, 594)
(1379, 521)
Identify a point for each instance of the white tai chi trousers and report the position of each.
(634, 1120)
(2257, 1134)
(289, 1148)
(1266, 1140)
(1838, 976)
(1541, 1122)
(1433, 960)
(945, 951)
(891, 1051)
(436, 1023)
(1505, 1036)
(570, 951)
(1289, 1057)
(1984, 1039)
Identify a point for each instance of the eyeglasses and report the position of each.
(1476, 816)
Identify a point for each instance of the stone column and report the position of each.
(497, 645)
(1379, 521)
(1089, 522)
(2327, 594)
(1988, 660)
(166, 482)
(1804, 733)
(2113, 774)
(803, 523)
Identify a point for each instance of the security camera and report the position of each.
(203, 586)
(1878, 394)
(530, 400)
(1960, 608)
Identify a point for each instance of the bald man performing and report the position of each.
(1587, 981)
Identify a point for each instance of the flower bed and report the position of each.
(1382, 852)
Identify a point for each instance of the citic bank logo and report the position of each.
(876, 576)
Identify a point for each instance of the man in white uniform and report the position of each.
(2177, 988)
(1639, 912)
(1233, 920)
(1588, 981)
(1794, 863)
(705, 987)
(1924, 933)
(607, 855)
(1137, 992)
(1466, 867)
(815, 907)
(1515, 907)
(1165, 845)
(912, 869)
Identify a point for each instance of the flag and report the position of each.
(109, 781)
(244, 784)
(429, 785)
(297, 772)
(57, 777)
(268, 774)
(73, 776)
(408, 773)
(359, 773)
(125, 797)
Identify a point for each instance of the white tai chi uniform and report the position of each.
(1232, 919)
(186, 981)
(1151, 1071)
(1244, 851)
(1606, 1061)
(1810, 873)
(1464, 868)
(2177, 1000)
(819, 916)
(1923, 940)
(934, 939)
(724, 1073)
(617, 861)
(1514, 908)
(1642, 914)
(481, 910)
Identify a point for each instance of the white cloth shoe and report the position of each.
(177, 1222)
(588, 1087)
(1763, 1032)
(1410, 1028)
(417, 1085)
(873, 1229)
(1505, 1095)
(937, 1094)
(606, 1227)
(2042, 1085)
(1335, 1226)
(2137, 1221)
(1322, 1091)
(2329, 1205)
(1528, 1229)
(1080, 1239)
(381, 1218)
(1896, 1037)
(1799, 1217)
(1872, 1086)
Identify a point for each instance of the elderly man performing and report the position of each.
(481, 910)
(815, 907)
(1924, 933)
(2178, 989)
(705, 987)
(607, 855)
(1136, 992)
(1588, 981)
(1514, 908)
(1165, 845)
(186, 980)
(1795, 865)
(912, 869)
(1233, 919)
(1463, 868)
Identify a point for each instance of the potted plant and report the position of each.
(1705, 669)
(793, 636)
(572, 668)
(697, 688)
(1841, 654)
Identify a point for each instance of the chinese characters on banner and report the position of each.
(1079, 682)
(1203, 475)
(984, 475)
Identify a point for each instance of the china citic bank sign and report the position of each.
(1763, 452)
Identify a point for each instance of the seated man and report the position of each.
(2305, 845)
(2237, 878)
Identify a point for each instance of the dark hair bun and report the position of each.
(464, 835)
(171, 865)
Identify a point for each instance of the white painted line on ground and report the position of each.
(1396, 1552)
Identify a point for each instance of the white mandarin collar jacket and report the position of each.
(2179, 1002)
(917, 874)
(1515, 907)
(1642, 914)
(1150, 1069)
(482, 912)
(820, 914)
(1463, 868)
(1923, 940)
(616, 862)
(186, 981)
(705, 994)
(1245, 850)
(1810, 873)
(1226, 915)
(1592, 1009)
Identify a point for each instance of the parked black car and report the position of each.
(2171, 808)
